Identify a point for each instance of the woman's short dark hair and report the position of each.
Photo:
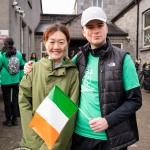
(9, 42)
(8, 47)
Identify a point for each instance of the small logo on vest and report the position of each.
(112, 64)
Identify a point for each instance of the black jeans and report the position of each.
(10, 96)
(83, 143)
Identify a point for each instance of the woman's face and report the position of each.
(56, 45)
(33, 55)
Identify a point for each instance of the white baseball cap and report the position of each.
(93, 13)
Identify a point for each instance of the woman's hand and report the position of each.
(28, 67)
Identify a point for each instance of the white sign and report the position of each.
(3, 35)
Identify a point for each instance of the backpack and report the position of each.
(13, 65)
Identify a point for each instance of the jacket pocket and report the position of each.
(119, 129)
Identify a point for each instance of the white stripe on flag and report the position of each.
(50, 112)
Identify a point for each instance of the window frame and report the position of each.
(145, 28)
(98, 3)
(22, 36)
(43, 50)
(121, 45)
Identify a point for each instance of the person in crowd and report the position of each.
(56, 69)
(34, 58)
(137, 65)
(9, 81)
(24, 57)
(110, 91)
(24, 62)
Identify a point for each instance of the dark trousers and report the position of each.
(10, 96)
(83, 143)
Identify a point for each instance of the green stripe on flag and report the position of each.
(65, 104)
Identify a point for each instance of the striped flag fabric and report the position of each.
(52, 115)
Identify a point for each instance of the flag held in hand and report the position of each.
(52, 115)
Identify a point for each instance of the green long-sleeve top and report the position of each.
(6, 77)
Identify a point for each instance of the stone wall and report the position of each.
(111, 7)
(144, 52)
(129, 25)
(128, 22)
(4, 17)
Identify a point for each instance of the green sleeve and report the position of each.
(130, 77)
(74, 59)
(1, 60)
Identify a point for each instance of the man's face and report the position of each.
(95, 32)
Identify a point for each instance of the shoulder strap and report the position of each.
(4, 67)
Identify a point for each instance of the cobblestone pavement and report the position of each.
(10, 136)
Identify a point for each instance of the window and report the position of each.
(120, 45)
(97, 3)
(43, 50)
(146, 29)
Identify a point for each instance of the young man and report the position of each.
(110, 90)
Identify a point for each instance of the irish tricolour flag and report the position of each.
(52, 115)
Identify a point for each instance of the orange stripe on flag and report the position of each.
(44, 130)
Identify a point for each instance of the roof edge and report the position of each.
(126, 9)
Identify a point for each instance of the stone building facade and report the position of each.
(132, 20)
(74, 28)
(117, 35)
(27, 31)
(21, 28)
(111, 7)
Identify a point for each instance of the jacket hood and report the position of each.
(48, 63)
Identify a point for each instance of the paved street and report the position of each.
(10, 136)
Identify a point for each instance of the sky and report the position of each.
(58, 6)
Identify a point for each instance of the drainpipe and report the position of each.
(137, 31)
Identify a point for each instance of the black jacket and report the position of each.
(117, 105)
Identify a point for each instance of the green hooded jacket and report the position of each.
(34, 87)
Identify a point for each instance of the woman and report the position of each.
(10, 82)
(56, 69)
(33, 57)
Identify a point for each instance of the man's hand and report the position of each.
(28, 67)
(98, 124)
